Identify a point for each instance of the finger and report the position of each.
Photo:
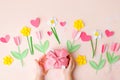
(70, 63)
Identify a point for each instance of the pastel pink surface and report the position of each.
(85, 37)
(5, 39)
(109, 33)
(35, 22)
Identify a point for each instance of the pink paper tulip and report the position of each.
(104, 48)
(115, 47)
(17, 40)
(39, 35)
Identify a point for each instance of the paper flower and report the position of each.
(17, 40)
(7, 60)
(81, 60)
(115, 47)
(39, 35)
(55, 59)
(26, 31)
(97, 35)
(52, 22)
(78, 25)
(104, 48)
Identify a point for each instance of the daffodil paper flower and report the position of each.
(78, 25)
(52, 22)
(8, 60)
(26, 31)
(97, 35)
(81, 60)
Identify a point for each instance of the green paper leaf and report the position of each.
(74, 48)
(101, 64)
(109, 57)
(93, 64)
(16, 55)
(24, 53)
(45, 46)
(115, 59)
(39, 47)
(69, 45)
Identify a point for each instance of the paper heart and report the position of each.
(85, 37)
(35, 22)
(5, 39)
(63, 23)
(49, 33)
(109, 33)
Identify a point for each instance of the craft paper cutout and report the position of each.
(81, 60)
(35, 22)
(26, 32)
(53, 22)
(85, 37)
(63, 23)
(78, 25)
(98, 66)
(8, 60)
(42, 47)
(55, 59)
(18, 54)
(111, 57)
(76, 35)
(49, 33)
(5, 39)
(109, 33)
(97, 35)
(39, 35)
(72, 47)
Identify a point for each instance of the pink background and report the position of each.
(97, 14)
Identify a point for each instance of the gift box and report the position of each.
(55, 59)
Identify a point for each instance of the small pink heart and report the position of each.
(5, 39)
(49, 33)
(63, 23)
(85, 37)
(109, 33)
(35, 22)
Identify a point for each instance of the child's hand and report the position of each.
(40, 72)
(69, 70)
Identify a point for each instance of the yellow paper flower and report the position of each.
(7, 60)
(26, 31)
(78, 25)
(81, 60)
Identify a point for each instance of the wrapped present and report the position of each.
(55, 59)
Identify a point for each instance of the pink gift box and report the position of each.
(55, 59)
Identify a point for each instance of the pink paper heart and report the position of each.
(85, 37)
(49, 33)
(109, 33)
(63, 23)
(5, 39)
(35, 22)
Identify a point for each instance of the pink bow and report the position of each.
(56, 59)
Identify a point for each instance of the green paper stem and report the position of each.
(31, 44)
(55, 34)
(21, 62)
(92, 48)
(19, 49)
(95, 47)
